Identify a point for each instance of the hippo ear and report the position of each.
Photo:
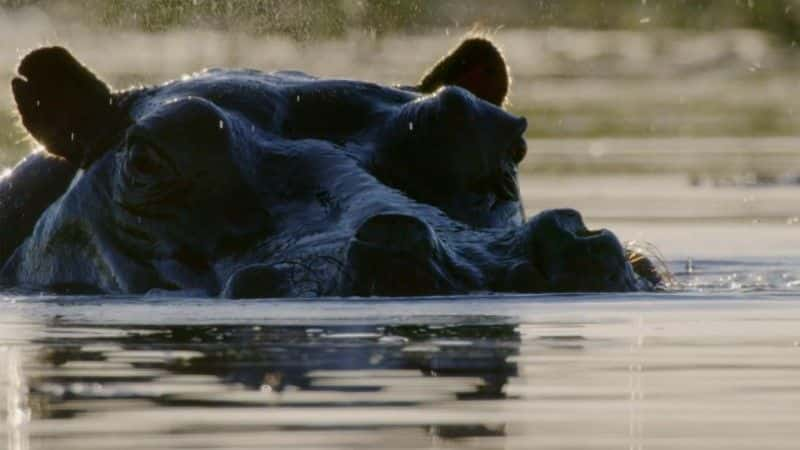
(475, 65)
(63, 104)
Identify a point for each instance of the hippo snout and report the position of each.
(594, 261)
(395, 255)
(564, 255)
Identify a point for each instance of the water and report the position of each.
(714, 365)
(676, 371)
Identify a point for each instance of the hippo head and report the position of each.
(243, 183)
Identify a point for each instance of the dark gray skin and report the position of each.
(245, 184)
(26, 191)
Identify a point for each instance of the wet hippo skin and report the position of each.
(242, 184)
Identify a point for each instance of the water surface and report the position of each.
(633, 371)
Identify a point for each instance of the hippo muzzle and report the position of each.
(570, 257)
(401, 255)
(553, 252)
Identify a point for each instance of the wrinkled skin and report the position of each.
(246, 184)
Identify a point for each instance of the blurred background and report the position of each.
(638, 109)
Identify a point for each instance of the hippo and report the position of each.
(244, 184)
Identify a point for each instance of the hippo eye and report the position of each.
(142, 162)
(145, 159)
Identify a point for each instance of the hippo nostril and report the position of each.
(570, 214)
(399, 233)
(395, 254)
(585, 233)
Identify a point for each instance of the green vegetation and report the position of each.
(311, 19)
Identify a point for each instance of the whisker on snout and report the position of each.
(649, 263)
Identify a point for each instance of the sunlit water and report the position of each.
(715, 364)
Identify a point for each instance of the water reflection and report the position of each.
(652, 371)
(81, 371)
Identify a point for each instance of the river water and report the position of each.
(714, 364)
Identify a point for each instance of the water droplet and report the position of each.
(392, 340)
(297, 99)
(410, 126)
(315, 332)
(221, 125)
(72, 136)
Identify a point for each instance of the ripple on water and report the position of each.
(515, 372)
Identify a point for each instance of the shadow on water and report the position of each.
(274, 366)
